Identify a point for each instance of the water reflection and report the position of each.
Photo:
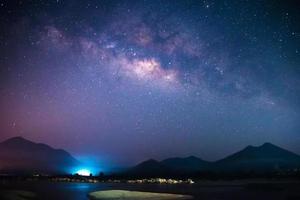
(79, 186)
(54, 190)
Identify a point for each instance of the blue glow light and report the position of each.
(88, 165)
(83, 172)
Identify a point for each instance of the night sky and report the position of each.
(118, 82)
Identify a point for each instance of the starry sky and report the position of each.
(118, 82)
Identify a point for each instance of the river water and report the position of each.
(78, 191)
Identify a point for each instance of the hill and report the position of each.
(264, 158)
(18, 155)
(187, 165)
(149, 168)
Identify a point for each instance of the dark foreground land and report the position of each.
(202, 190)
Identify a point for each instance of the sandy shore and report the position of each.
(134, 195)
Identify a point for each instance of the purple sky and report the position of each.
(119, 82)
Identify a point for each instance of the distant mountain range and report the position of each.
(262, 159)
(18, 155)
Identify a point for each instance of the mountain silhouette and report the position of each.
(18, 155)
(169, 167)
(264, 158)
(149, 168)
(188, 164)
